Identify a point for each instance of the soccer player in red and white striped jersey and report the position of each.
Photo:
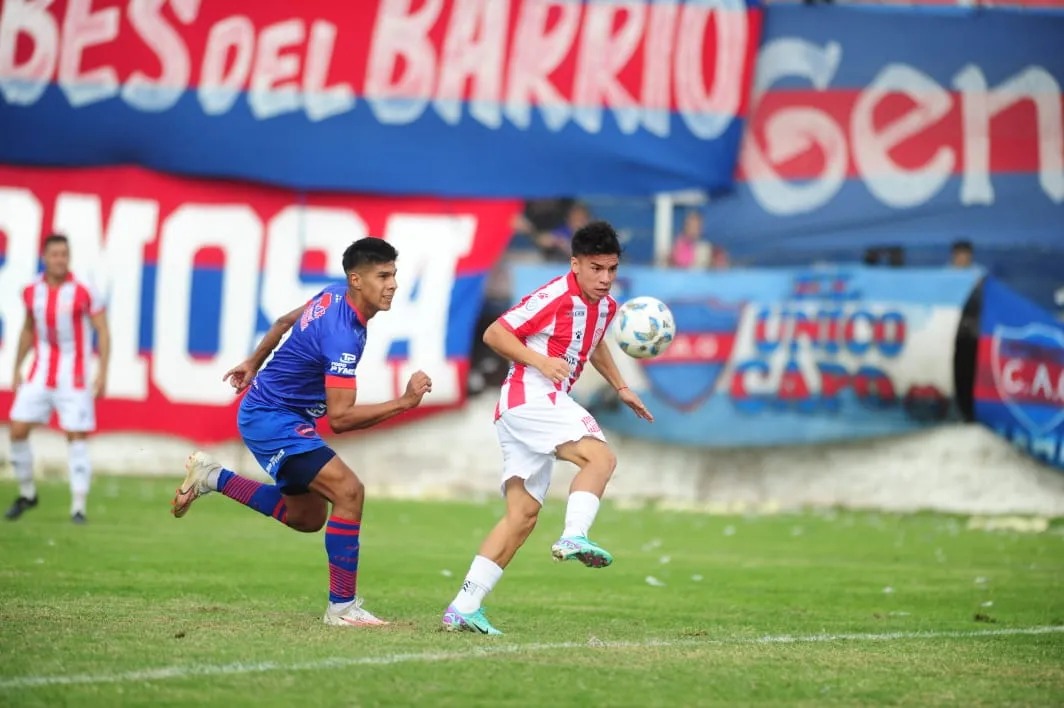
(549, 336)
(61, 315)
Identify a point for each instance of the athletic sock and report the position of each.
(341, 545)
(263, 498)
(482, 576)
(580, 514)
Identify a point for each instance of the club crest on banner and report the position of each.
(686, 374)
(1028, 369)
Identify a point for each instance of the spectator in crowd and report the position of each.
(550, 224)
(556, 244)
(542, 216)
(691, 250)
(962, 254)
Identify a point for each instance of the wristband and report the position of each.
(622, 388)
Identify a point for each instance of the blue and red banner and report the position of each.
(194, 272)
(770, 357)
(479, 98)
(883, 127)
(1019, 384)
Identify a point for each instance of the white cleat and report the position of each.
(198, 468)
(353, 616)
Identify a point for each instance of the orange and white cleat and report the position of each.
(198, 468)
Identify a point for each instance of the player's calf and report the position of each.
(339, 484)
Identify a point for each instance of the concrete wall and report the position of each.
(961, 469)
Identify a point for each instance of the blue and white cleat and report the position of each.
(455, 621)
(579, 548)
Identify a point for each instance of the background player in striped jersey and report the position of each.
(312, 375)
(549, 336)
(61, 315)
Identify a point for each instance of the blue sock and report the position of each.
(341, 543)
(263, 498)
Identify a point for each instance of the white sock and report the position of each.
(580, 514)
(338, 608)
(22, 462)
(482, 576)
(80, 475)
(212, 478)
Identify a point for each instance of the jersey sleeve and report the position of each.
(531, 315)
(340, 356)
(89, 300)
(611, 312)
(27, 299)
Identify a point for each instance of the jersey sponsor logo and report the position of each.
(275, 460)
(349, 358)
(341, 369)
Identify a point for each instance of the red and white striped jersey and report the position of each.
(62, 347)
(555, 321)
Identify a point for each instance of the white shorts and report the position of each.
(35, 403)
(530, 433)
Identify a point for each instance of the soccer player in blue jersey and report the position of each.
(312, 375)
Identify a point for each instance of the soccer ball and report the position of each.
(644, 327)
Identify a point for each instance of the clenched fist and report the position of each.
(416, 388)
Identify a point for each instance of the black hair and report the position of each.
(54, 238)
(962, 245)
(367, 251)
(597, 238)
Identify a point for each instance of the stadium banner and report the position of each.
(856, 139)
(770, 357)
(194, 272)
(476, 98)
(1019, 381)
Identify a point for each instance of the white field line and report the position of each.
(488, 650)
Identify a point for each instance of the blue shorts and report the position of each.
(286, 444)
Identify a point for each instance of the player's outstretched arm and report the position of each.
(506, 344)
(602, 360)
(240, 376)
(344, 416)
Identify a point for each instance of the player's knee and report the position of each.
(351, 493)
(19, 431)
(522, 518)
(597, 453)
(523, 522)
(609, 460)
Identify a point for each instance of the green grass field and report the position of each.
(224, 607)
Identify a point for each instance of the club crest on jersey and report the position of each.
(685, 375)
(534, 302)
(314, 310)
